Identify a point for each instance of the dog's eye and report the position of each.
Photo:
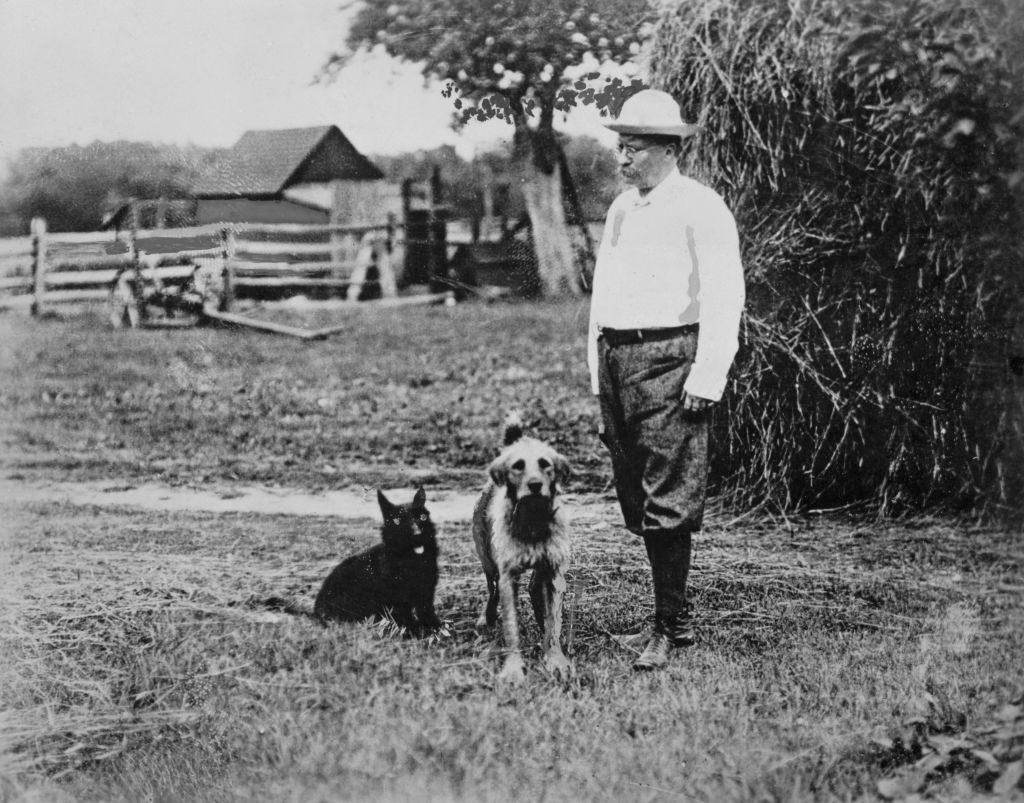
(424, 517)
(519, 465)
(396, 522)
(544, 464)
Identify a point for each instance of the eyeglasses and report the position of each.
(631, 151)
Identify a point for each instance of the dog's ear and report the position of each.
(420, 499)
(562, 469)
(498, 471)
(385, 506)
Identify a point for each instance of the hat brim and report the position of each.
(684, 130)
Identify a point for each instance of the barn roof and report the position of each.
(263, 163)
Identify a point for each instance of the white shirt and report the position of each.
(672, 258)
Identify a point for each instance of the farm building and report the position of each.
(295, 175)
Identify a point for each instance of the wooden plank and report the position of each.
(285, 273)
(178, 257)
(264, 326)
(405, 301)
(38, 264)
(15, 266)
(400, 301)
(61, 278)
(66, 238)
(87, 264)
(168, 272)
(363, 259)
(274, 281)
(288, 267)
(21, 300)
(61, 296)
(307, 228)
(207, 230)
(81, 237)
(15, 246)
(263, 247)
(386, 273)
(53, 297)
(16, 283)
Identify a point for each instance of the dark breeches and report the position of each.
(659, 451)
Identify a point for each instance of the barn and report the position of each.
(293, 175)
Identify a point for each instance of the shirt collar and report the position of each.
(659, 189)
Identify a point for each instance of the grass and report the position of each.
(422, 392)
(832, 654)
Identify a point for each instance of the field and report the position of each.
(837, 659)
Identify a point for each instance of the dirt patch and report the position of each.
(352, 503)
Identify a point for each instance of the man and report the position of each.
(664, 320)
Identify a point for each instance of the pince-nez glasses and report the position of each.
(630, 151)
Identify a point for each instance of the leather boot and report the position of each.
(655, 654)
(669, 632)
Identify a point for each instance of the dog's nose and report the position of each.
(536, 486)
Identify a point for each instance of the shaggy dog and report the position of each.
(519, 525)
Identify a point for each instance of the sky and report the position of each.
(204, 72)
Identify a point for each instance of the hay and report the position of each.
(869, 153)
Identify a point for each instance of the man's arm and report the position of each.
(597, 298)
(722, 296)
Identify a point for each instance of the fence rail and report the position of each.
(48, 268)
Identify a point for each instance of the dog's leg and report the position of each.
(547, 593)
(512, 671)
(403, 616)
(489, 613)
(427, 617)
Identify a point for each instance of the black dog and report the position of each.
(395, 578)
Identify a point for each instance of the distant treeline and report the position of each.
(75, 187)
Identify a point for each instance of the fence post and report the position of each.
(227, 245)
(343, 244)
(385, 271)
(396, 247)
(133, 246)
(433, 193)
(38, 229)
(363, 258)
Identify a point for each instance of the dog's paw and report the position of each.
(559, 666)
(513, 673)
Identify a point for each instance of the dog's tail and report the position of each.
(513, 427)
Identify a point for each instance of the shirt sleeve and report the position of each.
(596, 299)
(722, 295)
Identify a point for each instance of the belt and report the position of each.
(626, 337)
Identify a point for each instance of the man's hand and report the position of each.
(695, 404)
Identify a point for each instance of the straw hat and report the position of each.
(651, 111)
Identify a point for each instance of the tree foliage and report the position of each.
(462, 181)
(508, 59)
(74, 187)
(521, 61)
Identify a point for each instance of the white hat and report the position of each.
(651, 111)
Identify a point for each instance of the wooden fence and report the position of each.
(269, 259)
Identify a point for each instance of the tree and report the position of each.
(522, 61)
(73, 187)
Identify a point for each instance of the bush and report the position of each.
(871, 153)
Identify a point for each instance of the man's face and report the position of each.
(642, 162)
